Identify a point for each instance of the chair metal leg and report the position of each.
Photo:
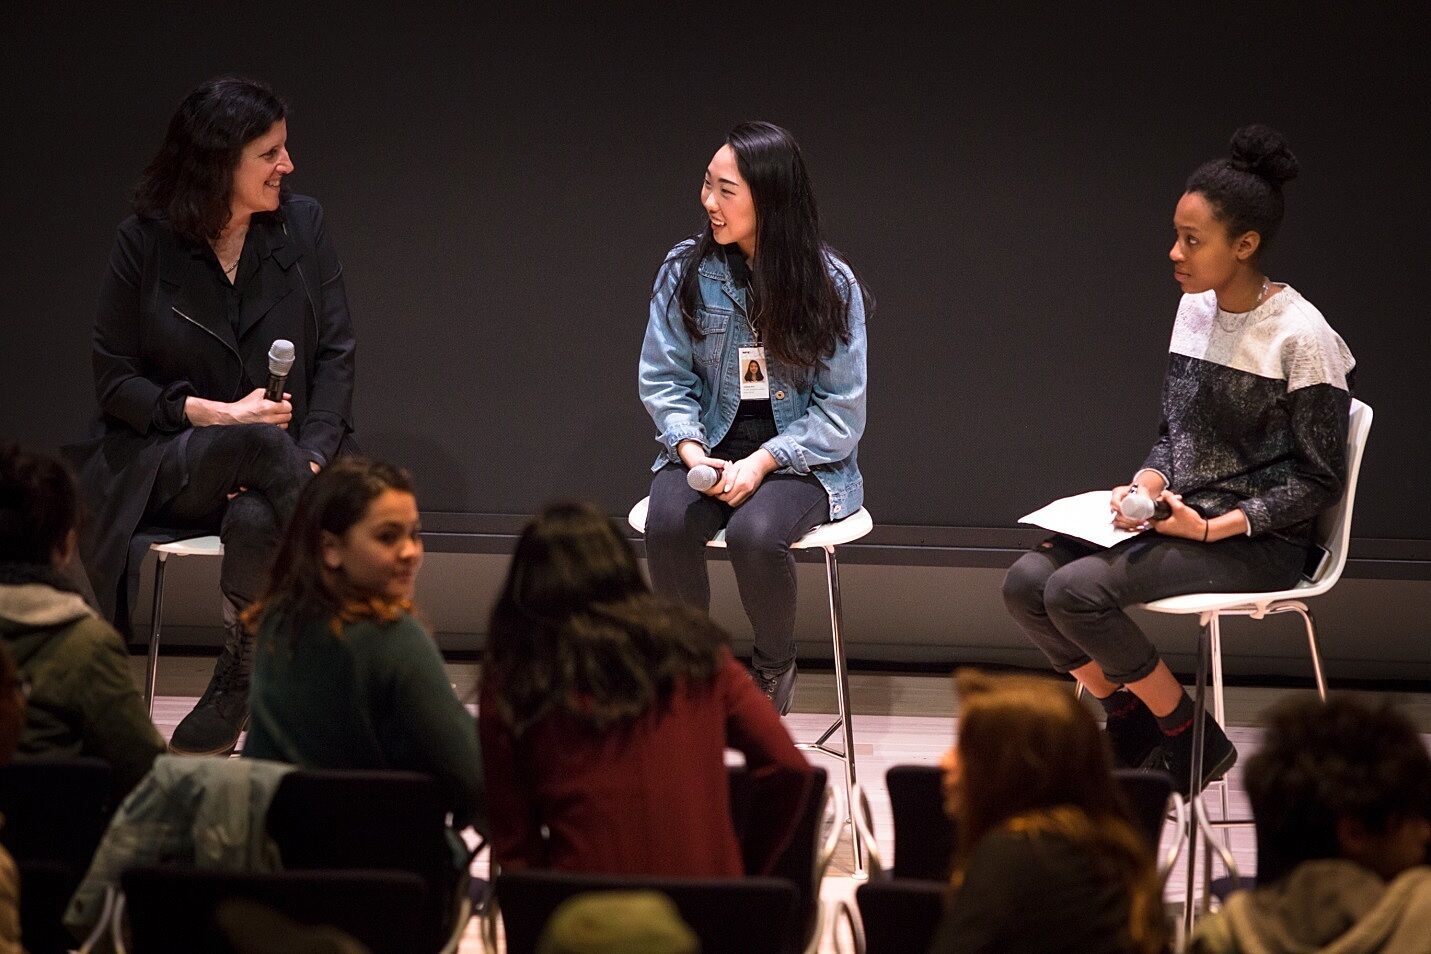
(1219, 712)
(842, 698)
(156, 622)
(1204, 650)
(1316, 654)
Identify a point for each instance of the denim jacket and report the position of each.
(691, 389)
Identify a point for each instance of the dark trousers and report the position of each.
(192, 496)
(758, 535)
(1069, 596)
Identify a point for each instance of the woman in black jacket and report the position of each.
(216, 264)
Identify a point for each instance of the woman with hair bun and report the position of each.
(1251, 448)
(756, 288)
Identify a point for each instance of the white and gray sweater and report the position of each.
(1255, 409)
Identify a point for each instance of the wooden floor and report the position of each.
(899, 719)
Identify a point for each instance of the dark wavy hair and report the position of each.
(1033, 763)
(1321, 763)
(576, 628)
(334, 500)
(189, 184)
(802, 314)
(1245, 188)
(39, 506)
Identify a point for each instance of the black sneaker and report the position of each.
(1174, 756)
(214, 725)
(778, 686)
(1134, 736)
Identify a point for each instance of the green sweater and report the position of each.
(375, 698)
(83, 700)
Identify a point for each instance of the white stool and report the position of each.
(193, 546)
(826, 537)
(1334, 534)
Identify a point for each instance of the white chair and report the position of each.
(1333, 533)
(193, 546)
(825, 537)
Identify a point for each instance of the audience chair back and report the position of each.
(899, 916)
(801, 863)
(729, 915)
(55, 814)
(923, 833)
(343, 819)
(171, 910)
(1147, 792)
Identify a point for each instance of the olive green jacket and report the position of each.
(83, 700)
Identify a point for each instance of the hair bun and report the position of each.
(1262, 151)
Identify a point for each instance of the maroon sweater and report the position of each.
(646, 796)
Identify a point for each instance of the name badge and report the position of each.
(754, 379)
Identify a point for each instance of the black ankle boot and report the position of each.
(1132, 732)
(778, 686)
(1174, 756)
(213, 727)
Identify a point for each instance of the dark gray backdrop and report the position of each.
(502, 186)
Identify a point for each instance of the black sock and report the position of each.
(1120, 704)
(1180, 719)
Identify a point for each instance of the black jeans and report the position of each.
(191, 496)
(1069, 595)
(758, 535)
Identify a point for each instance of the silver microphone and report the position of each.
(702, 477)
(1138, 506)
(280, 362)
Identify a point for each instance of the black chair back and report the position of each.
(900, 916)
(1146, 792)
(171, 910)
(729, 915)
(923, 833)
(346, 819)
(797, 864)
(55, 812)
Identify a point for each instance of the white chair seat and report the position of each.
(856, 525)
(1197, 603)
(210, 546)
(194, 546)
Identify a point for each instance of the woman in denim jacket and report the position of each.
(757, 284)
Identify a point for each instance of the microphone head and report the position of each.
(702, 477)
(280, 357)
(1136, 506)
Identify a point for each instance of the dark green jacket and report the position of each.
(376, 697)
(83, 700)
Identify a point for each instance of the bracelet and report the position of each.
(1206, 525)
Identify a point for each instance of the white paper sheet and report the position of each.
(1085, 516)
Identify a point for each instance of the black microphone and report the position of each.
(280, 362)
(1138, 506)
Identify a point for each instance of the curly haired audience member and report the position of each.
(1341, 794)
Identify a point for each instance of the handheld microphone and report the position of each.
(702, 477)
(280, 362)
(1138, 506)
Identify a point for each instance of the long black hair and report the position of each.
(577, 629)
(801, 313)
(1245, 188)
(189, 184)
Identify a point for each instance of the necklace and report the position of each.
(1260, 295)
